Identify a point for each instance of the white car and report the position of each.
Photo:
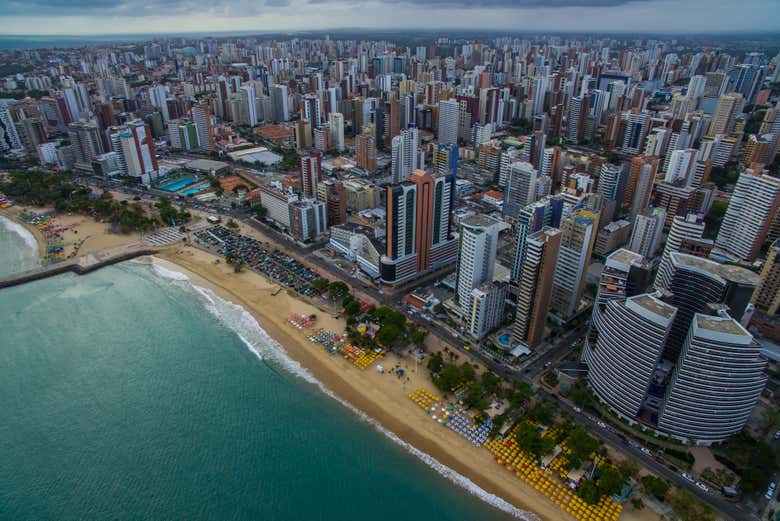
(688, 477)
(577, 410)
(702, 486)
(645, 450)
(602, 425)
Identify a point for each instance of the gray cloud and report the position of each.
(167, 7)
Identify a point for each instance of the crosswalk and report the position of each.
(164, 237)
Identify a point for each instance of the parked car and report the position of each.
(702, 486)
(688, 477)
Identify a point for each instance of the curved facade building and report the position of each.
(715, 384)
(696, 283)
(631, 339)
(689, 227)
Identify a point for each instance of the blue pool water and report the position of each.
(505, 339)
(177, 185)
(196, 190)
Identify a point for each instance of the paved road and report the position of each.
(726, 509)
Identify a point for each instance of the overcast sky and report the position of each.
(159, 16)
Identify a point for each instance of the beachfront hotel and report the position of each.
(678, 360)
(418, 228)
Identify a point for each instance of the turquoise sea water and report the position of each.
(17, 248)
(129, 395)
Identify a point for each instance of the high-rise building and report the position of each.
(485, 309)
(533, 293)
(544, 212)
(9, 137)
(690, 226)
(337, 130)
(310, 109)
(448, 122)
(520, 189)
(578, 234)
(749, 214)
(311, 174)
(639, 186)
(280, 103)
(726, 111)
(417, 228)
(366, 151)
(766, 298)
(647, 232)
(681, 166)
(716, 382)
(406, 154)
(576, 112)
(333, 195)
(635, 128)
(307, 220)
(650, 359)
(476, 255)
(631, 336)
(201, 116)
(85, 138)
(134, 145)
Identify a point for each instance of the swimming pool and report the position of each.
(197, 189)
(505, 340)
(175, 186)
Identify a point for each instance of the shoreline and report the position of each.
(382, 398)
(378, 399)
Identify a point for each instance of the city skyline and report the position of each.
(89, 17)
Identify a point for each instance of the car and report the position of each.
(602, 425)
(702, 486)
(645, 450)
(777, 435)
(577, 410)
(688, 477)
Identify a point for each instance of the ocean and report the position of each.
(131, 394)
(17, 248)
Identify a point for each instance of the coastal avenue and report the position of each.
(727, 510)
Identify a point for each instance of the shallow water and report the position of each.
(128, 394)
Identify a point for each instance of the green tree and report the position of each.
(418, 336)
(491, 382)
(610, 481)
(531, 440)
(655, 486)
(688, 508)
(520, 394)
(319, 285)
(435, 363)
(589, 492)
(352, 308)
(629, 468)
(388, 334)
(337, 289)
(581, 444)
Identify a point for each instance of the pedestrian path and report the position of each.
(164, 237)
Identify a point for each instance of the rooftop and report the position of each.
(728, 272)
(720, 325)
(625, 257)
(480, 220)
(653, 305)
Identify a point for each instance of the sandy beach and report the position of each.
(381, 396)
(81, 234)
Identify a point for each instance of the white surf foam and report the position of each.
(265, 347)
(21, 231)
